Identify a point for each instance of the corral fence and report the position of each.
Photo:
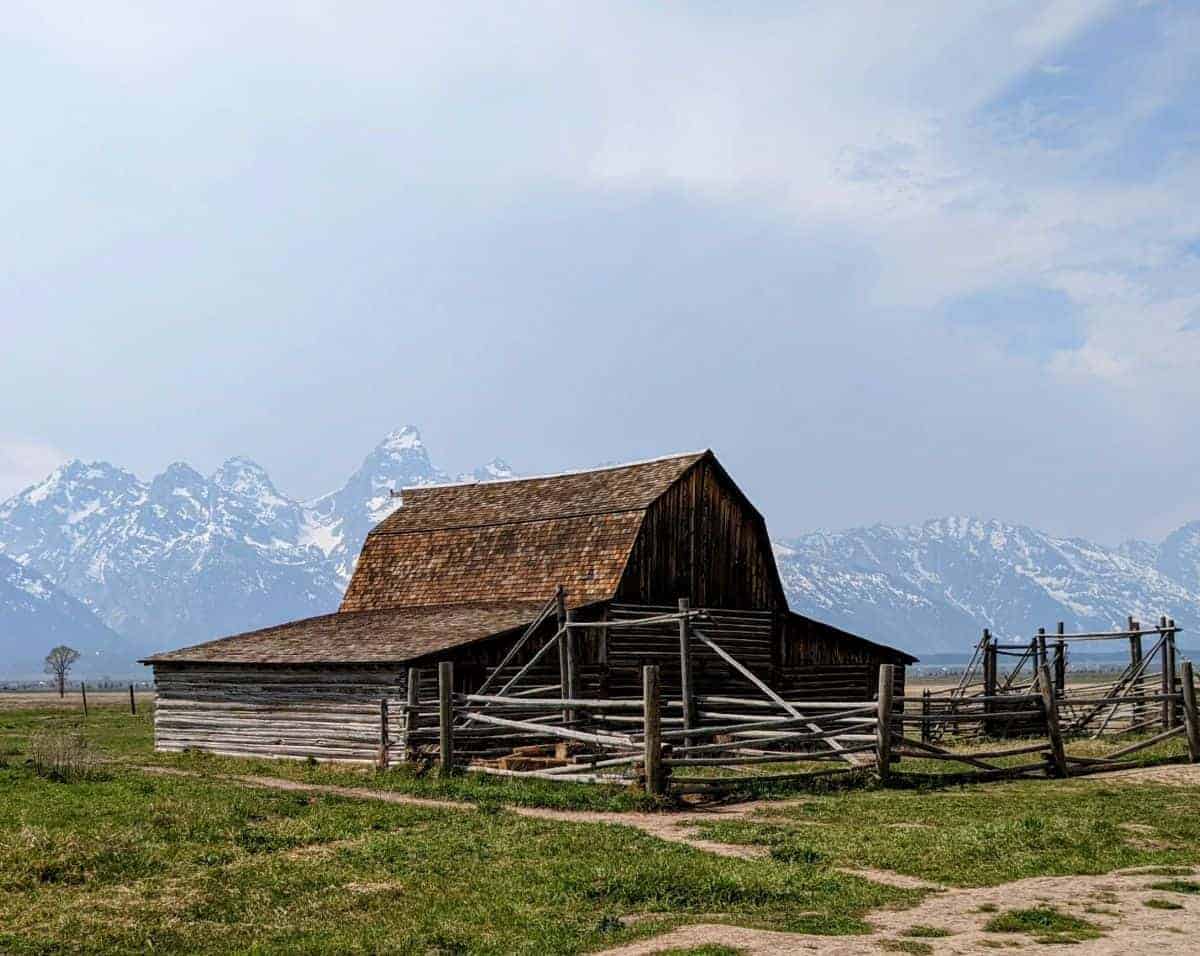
(704, 743)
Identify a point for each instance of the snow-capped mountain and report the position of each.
(186, 557)
(35, 616)
(933, 587)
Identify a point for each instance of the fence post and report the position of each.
(926, 728)
(652, 741)
(1053, 730)
(132, 702)
(1040, 658)
(1135, 663)
(83, 691)
(1060, 662)
(568, 690)
(883, 728)
(1168, 675)
(1190, 719)
(383, 734)
(687, 688)
(560, 621)
(446, 715)
(412, 715)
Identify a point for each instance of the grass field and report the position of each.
(129, 860)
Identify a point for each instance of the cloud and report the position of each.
(22, 463)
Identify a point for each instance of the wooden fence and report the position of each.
(648, 742)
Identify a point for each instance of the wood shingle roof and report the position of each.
(367, 637)
(513, 540)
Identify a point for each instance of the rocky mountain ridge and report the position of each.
(186, 557)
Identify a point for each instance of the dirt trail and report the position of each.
(1114, 902)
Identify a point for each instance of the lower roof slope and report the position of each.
(366, 637)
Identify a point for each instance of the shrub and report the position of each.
(63, 756)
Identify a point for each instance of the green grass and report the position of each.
(1046, 924)
(1189, 887)
(1156, 904)
(137, 862)
(927, 932)
(984, 834)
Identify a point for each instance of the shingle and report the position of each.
(392, 636)
(510, 540)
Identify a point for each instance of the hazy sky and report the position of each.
(890, 260)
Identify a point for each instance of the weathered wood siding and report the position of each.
(330, 713)
(702, 540)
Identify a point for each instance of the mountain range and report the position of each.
(117, 567)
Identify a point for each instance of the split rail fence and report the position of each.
(712, 743)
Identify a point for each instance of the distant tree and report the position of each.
(58, 663)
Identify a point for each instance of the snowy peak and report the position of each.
(248, 479)
(495, 470)
(930, 587)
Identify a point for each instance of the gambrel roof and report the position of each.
(511, 540)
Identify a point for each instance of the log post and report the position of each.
(1167, 684)
(132, 702)
(1060, 662)
(652, 741)
(569, 689)
(83, 691)
(446, 716)
(926, 728)
(383, 734)
(989, 665)
(1190, 718)
(1058, 753)
(1176, 708)
(560, 624)
(687, 687)
(1135, 666)
(412, 715)
(1040, 659)
(883, 729)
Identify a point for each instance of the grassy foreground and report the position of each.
(129, 861)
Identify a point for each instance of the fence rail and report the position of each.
(711, 743)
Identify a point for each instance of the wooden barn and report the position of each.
(468, 572)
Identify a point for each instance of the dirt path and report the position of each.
(1114, 902)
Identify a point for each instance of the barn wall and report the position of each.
(330, 713)
(702, 540)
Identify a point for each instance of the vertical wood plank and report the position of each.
(560, 619)
(446, 715)
(412, 717)
(1060, 662)
(926, 729)
(687, 685)
(383, 734)
(883, 730)
(1167, 682)
(83, 691)
(1135, 664)
(1190, 718)
(570, 684)
(652, 741)
(1053, 728)
(132, 702)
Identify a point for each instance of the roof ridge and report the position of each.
(560, 474)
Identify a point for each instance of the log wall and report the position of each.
(330, 713)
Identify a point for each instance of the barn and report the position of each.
(479, 574)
